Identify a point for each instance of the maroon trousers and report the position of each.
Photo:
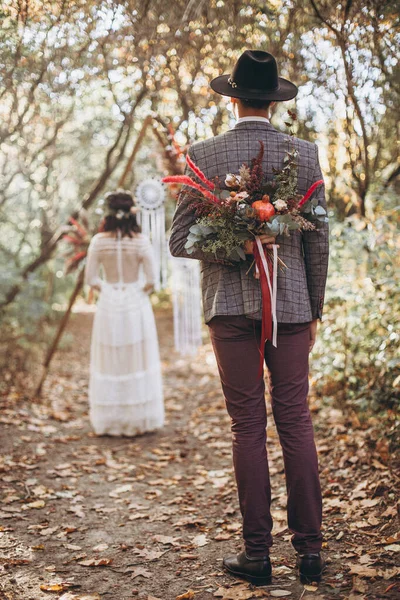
(236, 342)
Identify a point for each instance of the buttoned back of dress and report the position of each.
(103, 259)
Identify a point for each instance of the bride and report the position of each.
(125, 389)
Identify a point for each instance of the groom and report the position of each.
(232, 307)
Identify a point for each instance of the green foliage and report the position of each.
(76, 75)
(356, 359)
(29, 322)
(219, 239)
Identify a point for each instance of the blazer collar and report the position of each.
(254, 125)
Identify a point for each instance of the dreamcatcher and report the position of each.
(150, 197)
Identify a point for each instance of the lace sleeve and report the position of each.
(147, 260)
(92, 276)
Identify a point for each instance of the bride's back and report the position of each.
(135, 251)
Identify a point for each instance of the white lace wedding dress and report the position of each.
(125, 389)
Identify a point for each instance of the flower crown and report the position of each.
(121, 213)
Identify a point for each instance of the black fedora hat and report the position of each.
(255, 77)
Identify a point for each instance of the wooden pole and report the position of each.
(53, 347)
(136, 147)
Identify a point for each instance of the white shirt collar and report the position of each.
(252, 118)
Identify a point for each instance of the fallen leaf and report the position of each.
(36, 504)
(363, 571)
(311, 588)
(71, 596)
(200, 540)
(368, 502)
(186, 596)
(190, 522)
(280, 593)
(149, 554)
(364, 560)
(393, 548)
(50, 568)
(48, 531)
(78, 511)
(223, 536)
(55, 587)
(138, 516)
(17, 561)
(96, 562)
(389, 573)
(167, 540)
(359, 585)
(239, 592)
(391, 511)
(122, 489)
(80, 556)
(139, 572)
(100, 547)
(282, 570)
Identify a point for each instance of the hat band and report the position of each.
(235, 86)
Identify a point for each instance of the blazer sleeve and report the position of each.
(92, 268)
(316, 251)
(183, 219)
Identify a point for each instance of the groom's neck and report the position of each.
(247, 111)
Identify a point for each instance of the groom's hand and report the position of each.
(267, 240)
(313, 333)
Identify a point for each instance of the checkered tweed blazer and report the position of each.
(227, 289)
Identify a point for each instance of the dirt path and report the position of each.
(151, 517)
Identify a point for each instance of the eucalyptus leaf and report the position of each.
(241, 253)
(274, 227)
(234, 255)
(319, 210)
(207, 230)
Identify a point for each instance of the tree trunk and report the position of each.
(135, 150)
(54, 345)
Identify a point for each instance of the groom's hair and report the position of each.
(257, 104)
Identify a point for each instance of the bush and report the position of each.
(356, 357)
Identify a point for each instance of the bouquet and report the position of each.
(247, 206)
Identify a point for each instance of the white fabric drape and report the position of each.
(186, 305)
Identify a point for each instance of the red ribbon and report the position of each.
(266, 320)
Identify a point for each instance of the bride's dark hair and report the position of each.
(121, 213)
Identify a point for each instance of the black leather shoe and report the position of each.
(257, 570)
(311, 567)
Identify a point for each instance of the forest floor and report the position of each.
(89, 518)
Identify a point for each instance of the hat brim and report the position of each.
(286, 90)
